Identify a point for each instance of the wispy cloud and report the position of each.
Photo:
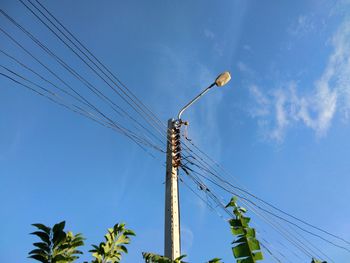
(284, 107)
(189, 76)
(245, 69)
(187, 239)
(303, 25)
(262, 108)
(13, 146)
(247, 48)
(209, 34)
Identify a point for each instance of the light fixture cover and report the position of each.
(222, 79)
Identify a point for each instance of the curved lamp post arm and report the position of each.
(220, 81)
(194, 100)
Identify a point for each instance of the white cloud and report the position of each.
(209, 34)
(263, 102)
(303, 25)
(284, 107)
(247, 48)
(338, 70)
(281, 116)
(187, 239)
(181, 76)
(242, 67)
(13, 146)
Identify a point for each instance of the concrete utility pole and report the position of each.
(172, 241)
(172, 210)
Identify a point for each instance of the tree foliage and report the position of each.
(56, 246)
(246, 247)
(112, 249)
(154, 258)
(317, 261)
(215, 260)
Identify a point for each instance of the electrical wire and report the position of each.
(188, 149)
(265, 202)
(249, 203)
(279, 217)
(76, 109)
(214, 197)
(68, 93)
(86, 83)
(136, 99)
(122, 95)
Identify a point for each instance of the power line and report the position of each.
(224, 181)
(143, 106)
(122, 95)
(64, 91)
(91, 87)
(214, 197)
(265, 202)
(269, 212)
(76, 109)
(39, 3)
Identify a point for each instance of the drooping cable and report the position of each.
(101, 74)
(72, 71)
(76, 109)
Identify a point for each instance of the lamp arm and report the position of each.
(194, 100)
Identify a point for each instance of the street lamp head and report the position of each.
(222, 79)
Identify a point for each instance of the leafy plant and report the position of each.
(246, 247)
(317, 261)
(56, 246)
(215, 260)
(154, 258)
(111, 250)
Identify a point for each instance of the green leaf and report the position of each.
(39, 258)
(254, 244)
(42, 227)
(245, 221)
(232, 202)
(317, 261)
(154, 258)
(43, 236)
(242, 209)
(58, 258)
(246, 247)
(38, 252)
(129, 233)
(258, 256)
(237, 231)
(180, 257)
(246, 260)
(241, 250)
(59, 227)
(215, 260)
(124, 249)
(58, 246)
(58, 237)
(114, 246)
(242, 239)
(250, 232)
(42, 246)
(235, 222)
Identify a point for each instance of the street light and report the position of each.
(172, 244)
(220, 81)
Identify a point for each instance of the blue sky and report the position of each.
(280, 127)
